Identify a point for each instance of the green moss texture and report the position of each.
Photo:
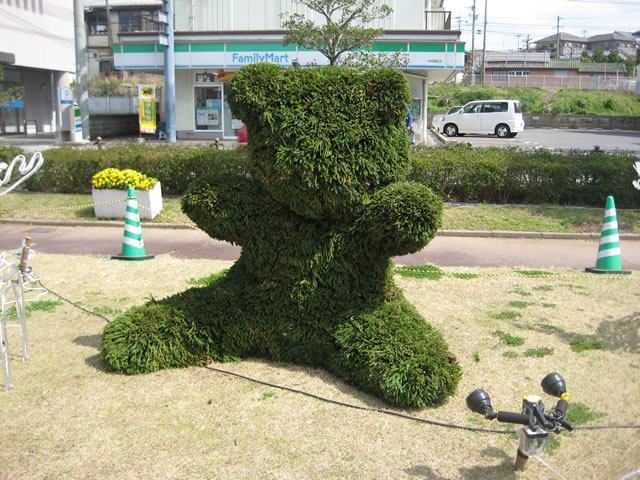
(319, 215)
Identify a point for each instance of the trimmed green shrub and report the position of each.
(455, 172)
(459, 172)
(69, 169)
(319, 217)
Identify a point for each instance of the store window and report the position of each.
(208, 107)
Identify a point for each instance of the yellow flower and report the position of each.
(121, 179)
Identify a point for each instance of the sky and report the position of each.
(510, 22)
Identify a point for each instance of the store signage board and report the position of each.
(420, 56)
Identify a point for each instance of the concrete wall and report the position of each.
(582, 121)
(106, 126)
(547, 120)
(225, 15)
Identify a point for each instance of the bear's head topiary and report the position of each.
(323, 139)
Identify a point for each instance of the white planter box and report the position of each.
(152, 199)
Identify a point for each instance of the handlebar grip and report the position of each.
(510, 417)
(561, 406)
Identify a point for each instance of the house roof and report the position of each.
(563, 65)
(563, 36)
(612, 36)
(519, 57)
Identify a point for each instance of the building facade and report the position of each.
(537, 69)
(214, 38)
(37, 56)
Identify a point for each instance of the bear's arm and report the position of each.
(400, 218)
(227, 206)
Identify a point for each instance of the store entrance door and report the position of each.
(208, 108)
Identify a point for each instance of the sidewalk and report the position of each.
(471, 249)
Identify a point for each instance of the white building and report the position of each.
(37, 55)
(214, 38)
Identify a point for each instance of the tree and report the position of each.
(584, 57)
(339, 34)
(598, 56)
(614, 57)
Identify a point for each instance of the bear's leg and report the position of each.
(393, 352)
(182, 330)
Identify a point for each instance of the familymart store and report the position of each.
(204, 64)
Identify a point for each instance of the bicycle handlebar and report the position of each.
(510, 417)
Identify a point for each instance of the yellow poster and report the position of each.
(147, 108)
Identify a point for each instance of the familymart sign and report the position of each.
(236, 55)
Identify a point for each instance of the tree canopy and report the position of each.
(343, 30)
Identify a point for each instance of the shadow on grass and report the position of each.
(423, 472)
(85, 213)
(622, 334)
(503, 470)
(93, 341)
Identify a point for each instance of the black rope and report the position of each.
(73, 303)
(368, 409)
(344, 404)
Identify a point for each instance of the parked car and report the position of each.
(437, 119)
(500, 117)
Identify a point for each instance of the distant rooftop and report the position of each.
(575, 64)
(519, 57)
(563, 36)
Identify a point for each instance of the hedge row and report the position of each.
(455, 172)
(69, 170)
(508, 175)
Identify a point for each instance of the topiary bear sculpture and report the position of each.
(319, 216)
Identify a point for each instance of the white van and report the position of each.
(501, 117)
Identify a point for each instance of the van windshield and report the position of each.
(516, 107)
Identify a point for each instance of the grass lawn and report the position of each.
(68, 418)
(44, 206)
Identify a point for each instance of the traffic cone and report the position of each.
(609, 250)
(132, 243)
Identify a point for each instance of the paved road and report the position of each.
(557, 139)
(442, 251)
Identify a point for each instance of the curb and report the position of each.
(439, 233)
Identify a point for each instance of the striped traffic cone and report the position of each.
(132, 243)
(609, 250)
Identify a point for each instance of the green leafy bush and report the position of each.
(462, 173)
(70, 170)
(454, 172)
(566, 101)
(319, 212)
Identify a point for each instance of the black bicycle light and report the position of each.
(478, 401)
(553, 384)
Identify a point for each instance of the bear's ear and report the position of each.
(252, 89)
(391, 90)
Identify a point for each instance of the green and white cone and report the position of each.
(609, 260)
(132, 243)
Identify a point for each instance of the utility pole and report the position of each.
(82, 70)
(473, 43)
(558, 39)
(109, 28)
(527, 40)
(170, 75)
(484, 42)
(459, 21)
(518, 42)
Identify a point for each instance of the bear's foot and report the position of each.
(161, 334)
(393, 352)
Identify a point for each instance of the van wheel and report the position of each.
(451, 130)
(503, 130)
